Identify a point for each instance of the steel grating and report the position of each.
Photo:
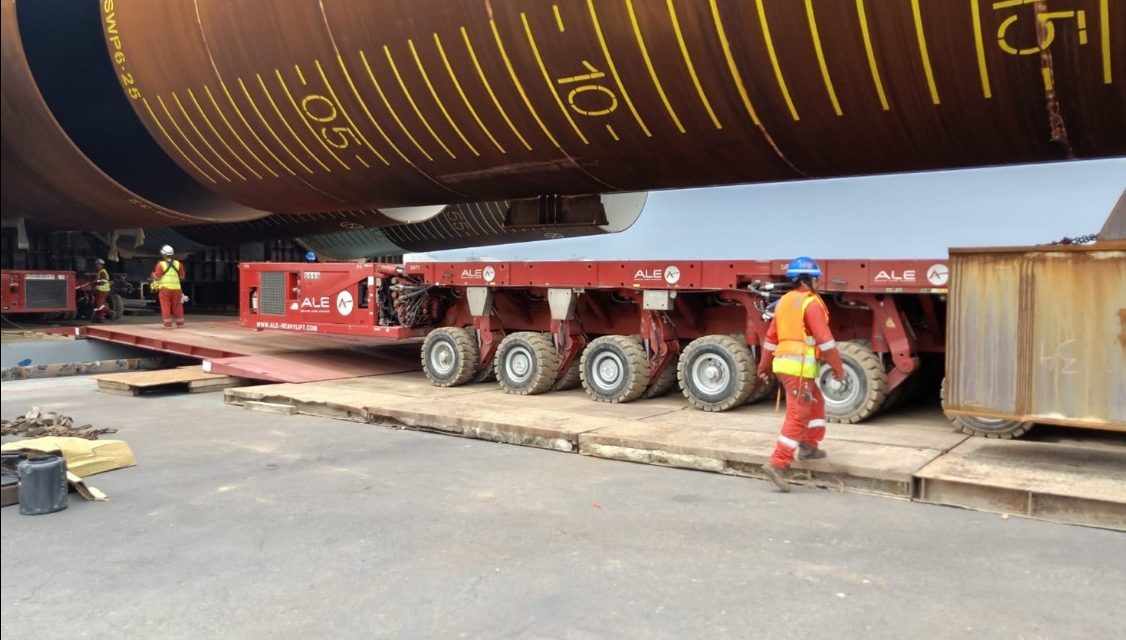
(272, 293)
(45, 294)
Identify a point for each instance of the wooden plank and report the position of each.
(120, 391)
(160, 377)
(271, 407)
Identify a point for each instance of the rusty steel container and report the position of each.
(1038, 334)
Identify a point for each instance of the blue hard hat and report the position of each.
(310, 256)
(803, 266)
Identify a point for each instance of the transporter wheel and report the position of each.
(571, 378)
(987, 427)
(526, 363)
(716, 373)
(485, 375)
(762, 391)
(449, 356)
(116, 306)
(865, 387)
(614, 369)
(664, 382)
(906, 389)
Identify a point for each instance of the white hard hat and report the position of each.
(166, 250)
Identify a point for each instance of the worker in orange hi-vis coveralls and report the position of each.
(102, 288)
(798, 338)
(166, 277)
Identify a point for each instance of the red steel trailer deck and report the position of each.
(623, 330)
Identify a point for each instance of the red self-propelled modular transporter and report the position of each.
(623, 330)
(38, 292)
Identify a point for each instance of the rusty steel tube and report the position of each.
(310, 106)
(354, 102)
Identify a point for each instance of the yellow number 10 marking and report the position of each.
(593, 74)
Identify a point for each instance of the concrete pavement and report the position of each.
(241, 524)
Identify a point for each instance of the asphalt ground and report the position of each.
(239, 524)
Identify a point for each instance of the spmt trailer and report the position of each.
(38, 292)
(622, 330)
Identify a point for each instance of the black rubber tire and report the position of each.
(116, 306)
(526, 363)
(571, 378)
(763, 390)
(449, 356)
(485, 375)
(906, 389)
(732, 361)
(987, 427)
(624, 353)
(865, 369)
(664, 382)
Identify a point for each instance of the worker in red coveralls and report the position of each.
(166, 279)
(798, 339)
(101, 292)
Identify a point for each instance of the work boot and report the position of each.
(777, 475)
(810, 452)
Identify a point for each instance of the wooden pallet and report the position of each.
(190, 378)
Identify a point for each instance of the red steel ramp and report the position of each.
(275, 356)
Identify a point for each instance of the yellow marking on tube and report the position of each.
(736, 77)
(520, 87)
(774, 58)
(688, 63)
(188, 140)
(221, 138)
(923, 50)
(379, 129)
(548, 80)
(344, 112)
(979, 44)
(285, 122)
(304, 119)
(614, 69)
(613, 134)
(273, 133)
(1104, 37)
(871, 54)
(199, 134)
(300, 74)
(558, 18)
(489, 88)
(387, 103)
(649, 65)
(821, 58)
(441, 106)
(152, 114)
(362, 161)
(410, 99)
(249, 128)
(1046, 72)
(461, 92)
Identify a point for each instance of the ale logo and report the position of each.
(672, 274)
(938, 274)
(344, 303)
(488, 274)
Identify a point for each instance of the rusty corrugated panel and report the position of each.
(1039, 334)
(982, 318)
